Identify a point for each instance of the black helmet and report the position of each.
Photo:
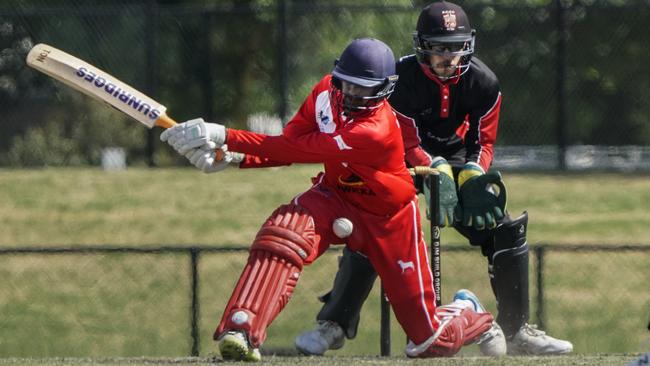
(367, 63)
(443, 29)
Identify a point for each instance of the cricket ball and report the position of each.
(342, 227)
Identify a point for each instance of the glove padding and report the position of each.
(193, 134)
(211, 160)
(480, 205)
(448, 199)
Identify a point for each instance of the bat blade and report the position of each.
(98, 84)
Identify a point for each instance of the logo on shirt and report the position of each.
(323, 113)
(324, 119)
(342, 145)
(353, 184)
(351, 180)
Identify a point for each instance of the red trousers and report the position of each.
(394, 245)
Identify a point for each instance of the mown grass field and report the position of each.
(181, 206)
(578, 360)
(130, 305)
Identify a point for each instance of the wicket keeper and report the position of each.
(448, 103)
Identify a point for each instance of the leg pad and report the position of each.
(284, 243)
(510, 274)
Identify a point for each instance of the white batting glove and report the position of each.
(193, 134)
(206, 158)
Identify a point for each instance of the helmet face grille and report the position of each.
(443, 29)
(355, 105)
(366, 63)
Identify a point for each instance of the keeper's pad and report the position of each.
(284, 243)
(459, 326)
(352, 285)
(509, 274)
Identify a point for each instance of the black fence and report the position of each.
(599, 305)
(572, 72)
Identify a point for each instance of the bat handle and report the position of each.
(164, 121)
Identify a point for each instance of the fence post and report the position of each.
(151, 67)
(209, 59)
(540, 250)
(562, 60)
(194, 294)
(283, 49)
(384, 331)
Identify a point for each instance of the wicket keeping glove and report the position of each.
(193, 134)
(211, 160)
(448, 198)
(482, 197)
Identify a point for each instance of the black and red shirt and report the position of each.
(456, 119)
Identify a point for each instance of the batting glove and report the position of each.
(210, 160)
(193, 134)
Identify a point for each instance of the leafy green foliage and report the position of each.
(222, 60)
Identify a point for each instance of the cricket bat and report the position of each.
(98, 84)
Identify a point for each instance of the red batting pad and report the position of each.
(283, 244)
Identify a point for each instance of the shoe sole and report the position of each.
(232, 348)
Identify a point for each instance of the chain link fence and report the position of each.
(572, 72)
(574, 81)
(166, 302)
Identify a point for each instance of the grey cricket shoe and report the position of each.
(531, 341)
(493, 342)
(328, 335)
(234, 346)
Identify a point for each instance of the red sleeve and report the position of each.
(302, 141)
(355, 144)
(409, 130)
(415, 155)
(252, 161)
(480, 149)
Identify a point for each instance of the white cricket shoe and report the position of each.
(531, 341)
(328, 335)
(493, 342)
(234, 346)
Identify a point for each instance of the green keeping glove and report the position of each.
(448, 198)
(482, 197)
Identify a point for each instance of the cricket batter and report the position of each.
(346, 124)
(448, 103)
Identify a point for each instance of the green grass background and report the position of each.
(138, 304)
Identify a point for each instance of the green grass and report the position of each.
(135, 305)
(578, 360)
(181, 206)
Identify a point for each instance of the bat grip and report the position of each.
(164, 121)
